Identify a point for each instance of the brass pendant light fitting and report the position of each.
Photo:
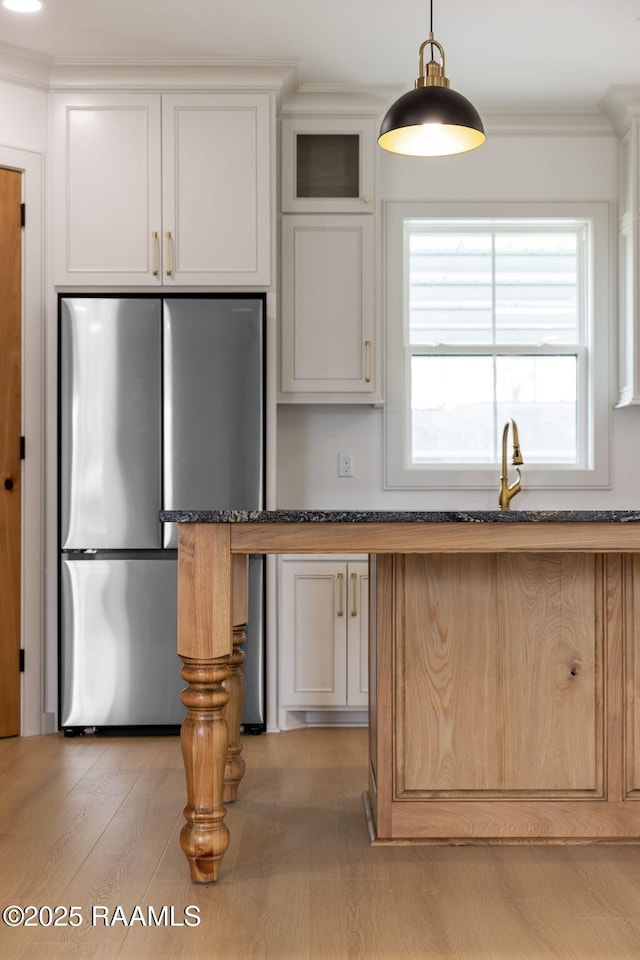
(432, 120)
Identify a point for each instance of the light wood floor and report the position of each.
(95, 821)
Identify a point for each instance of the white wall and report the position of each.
(23, 117)
(506, 168)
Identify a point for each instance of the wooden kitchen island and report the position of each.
(504, 670)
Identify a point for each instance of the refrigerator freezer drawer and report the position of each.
(110, 426)
(119, 662)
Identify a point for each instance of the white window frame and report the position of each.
(593, 363)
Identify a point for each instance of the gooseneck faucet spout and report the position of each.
(508, 492)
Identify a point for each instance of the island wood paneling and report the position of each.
(505, 697)
(434, 537)
(499, 675)
(632, 662)
(380, 690)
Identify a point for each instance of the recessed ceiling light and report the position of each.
(23, 6)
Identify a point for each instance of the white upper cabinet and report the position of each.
(328, 307)
(216, 188)
(327, 165)
(107, 189)
(162, 189)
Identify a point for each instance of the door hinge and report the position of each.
(22, 448)
(22, 660)
(23, 214)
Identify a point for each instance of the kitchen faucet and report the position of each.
(508, 492)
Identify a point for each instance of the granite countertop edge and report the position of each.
(400, 516)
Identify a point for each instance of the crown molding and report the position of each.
(621, 103)
(612, 115)
(549, 123)
(512, 120)
(24, 68)
(223, 73)
(310, 100)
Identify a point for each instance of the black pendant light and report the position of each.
(432, 120)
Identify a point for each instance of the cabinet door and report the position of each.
(358, 634)
(328, 165)
(107, 216)
(217, 188)
(497, 678)
(313, 650)
(328, 304)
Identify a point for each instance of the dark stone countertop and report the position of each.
(400, 516)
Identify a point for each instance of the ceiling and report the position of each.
(556, 54)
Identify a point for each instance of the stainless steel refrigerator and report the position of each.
(161, 407)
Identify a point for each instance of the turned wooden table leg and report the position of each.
(235, 684)
(205, 647)
(204, 739)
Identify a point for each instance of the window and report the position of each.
(495, 312)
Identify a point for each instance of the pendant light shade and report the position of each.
(432, 120)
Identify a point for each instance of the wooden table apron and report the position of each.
(212, 615)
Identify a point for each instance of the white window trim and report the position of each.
(399, 473)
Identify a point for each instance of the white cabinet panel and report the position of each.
(323, 616)
(358, 634)
(313, 657)
(328, 164)
(216, 188)
(328, 304)
(162, 189)
(107, 188)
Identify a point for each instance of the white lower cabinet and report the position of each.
(323, 632)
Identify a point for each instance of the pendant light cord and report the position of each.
(431, 24)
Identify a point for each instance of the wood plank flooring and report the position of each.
(95, 822)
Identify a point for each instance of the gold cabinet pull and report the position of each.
(169, 253)
(367, 359)
(154, 252)
(340, 594)
(354, 593)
